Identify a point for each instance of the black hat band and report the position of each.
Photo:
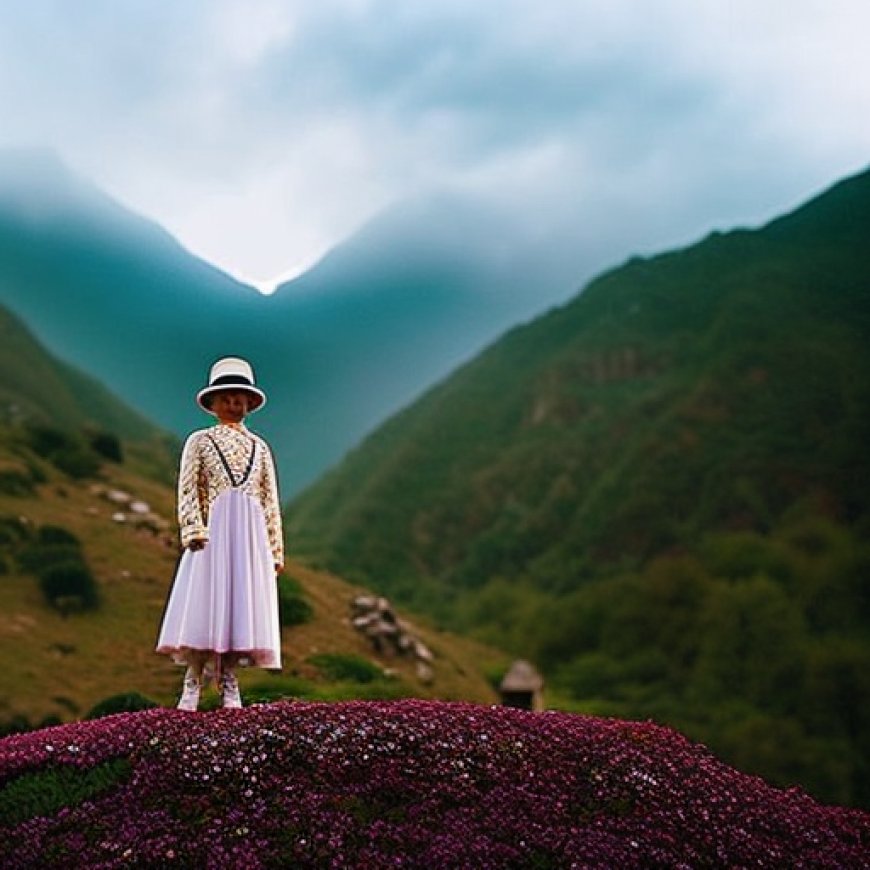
(231, 379)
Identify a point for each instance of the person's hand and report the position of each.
(197, 544)
(279, 569)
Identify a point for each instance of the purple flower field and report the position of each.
(398, 784)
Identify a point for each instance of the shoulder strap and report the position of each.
(226, 465)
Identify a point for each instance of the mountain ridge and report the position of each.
(123, 301)
(605, 308)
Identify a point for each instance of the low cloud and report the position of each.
(262, 132)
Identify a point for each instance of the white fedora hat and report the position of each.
(231, 373)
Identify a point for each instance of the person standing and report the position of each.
(222, 609)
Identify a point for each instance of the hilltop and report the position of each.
(407, 784)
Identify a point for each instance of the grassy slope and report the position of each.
(51, 665)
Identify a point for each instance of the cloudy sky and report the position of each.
(263, 132)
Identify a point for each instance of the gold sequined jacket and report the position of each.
(215, 459)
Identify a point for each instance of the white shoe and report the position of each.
(190, 695)
(230, 695)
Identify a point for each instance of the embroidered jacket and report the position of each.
(215, 459)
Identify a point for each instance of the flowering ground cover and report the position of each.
(398, 784)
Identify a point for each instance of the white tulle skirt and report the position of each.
(224, 597)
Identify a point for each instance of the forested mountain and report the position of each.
(660, 491)
(346, 344)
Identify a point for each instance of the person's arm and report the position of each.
(272, 507)
(191, 522)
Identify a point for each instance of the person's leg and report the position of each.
(229, 687)
(192, 685)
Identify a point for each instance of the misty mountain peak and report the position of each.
(36, 183)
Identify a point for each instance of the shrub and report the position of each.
(77, 462)
(15, 482)
(47, 440)
(17, 724)
(68, 452)
(33, 559)
(280, 689)
(107, 445)
(344, 666)
(51, 544)
(13, 530)
(69, 586)
(52, 535)
(126, 702)
(293, 607)
(378, 690)
(54, 555)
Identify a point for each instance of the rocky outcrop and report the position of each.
(374, 617)
(134, 511)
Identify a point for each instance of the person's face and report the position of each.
(230, 406)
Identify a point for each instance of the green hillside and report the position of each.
(61, 656)
(659, 492)
(88, 549)
(48, 398)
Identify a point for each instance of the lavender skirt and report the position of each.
(224, 597)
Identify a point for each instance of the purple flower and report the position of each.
(407, 784)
